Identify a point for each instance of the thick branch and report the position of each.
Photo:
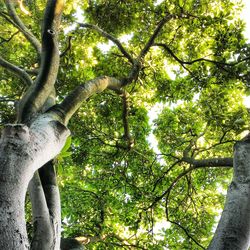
(212, 162)
(44, 83)
(74, 100)
(20, 25)
(50, 190)
(133, 75)
(6, 17)
(111, 38)
(17, 71)
(42, 232)
(154, 35)
(49, 183)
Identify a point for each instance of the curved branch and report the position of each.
(133, 75)
(137, 65)
(196, 164)
(111, 38)
(20, 25)
(33, 72)
(67, 48)
(4, 40)
(74, 100)
(38, 93)
(197, 60)
(6, 17)
(185, 231)
(17, 71)
(151, 40)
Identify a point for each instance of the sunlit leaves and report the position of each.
(115, 193)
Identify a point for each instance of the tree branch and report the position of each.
(48, 196)
(195, 164)
(125, 111)
(17, 71)
(133, 75)
(185, 231)
(49, 183)
(34, 71)
(40, 213)
(6, 17)
(197, 60)
(4, 40)
(38, 93)
(212, 162)
(67, 48)
(111, 38)
(74, 100)
(137, 65)
(151, 40)
(20, 25)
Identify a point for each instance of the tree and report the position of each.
(189, 59)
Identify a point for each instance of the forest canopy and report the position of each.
(147, 167)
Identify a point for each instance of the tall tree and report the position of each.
(152, 92)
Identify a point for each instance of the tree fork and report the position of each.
(22, 152)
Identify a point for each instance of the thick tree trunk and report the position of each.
(22, 151)
(233, 231)
(12, 220)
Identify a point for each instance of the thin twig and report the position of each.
(111, 38)
(4, 40)
(20, 25)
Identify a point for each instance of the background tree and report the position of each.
(121, 187)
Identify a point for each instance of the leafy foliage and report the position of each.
(142, 196)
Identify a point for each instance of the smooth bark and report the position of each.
(233, 231)
(37, 94)
(74, 100)
(22, 151)
(52, 195)
(45, 200)
(42, 230)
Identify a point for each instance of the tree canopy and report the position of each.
(146, 167)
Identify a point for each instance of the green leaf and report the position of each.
(67, 144)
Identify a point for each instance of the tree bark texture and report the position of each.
(22, 151)
(233, 231)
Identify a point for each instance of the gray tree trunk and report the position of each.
(22, 151)
(233, 231)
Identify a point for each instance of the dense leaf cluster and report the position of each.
(142, 193)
